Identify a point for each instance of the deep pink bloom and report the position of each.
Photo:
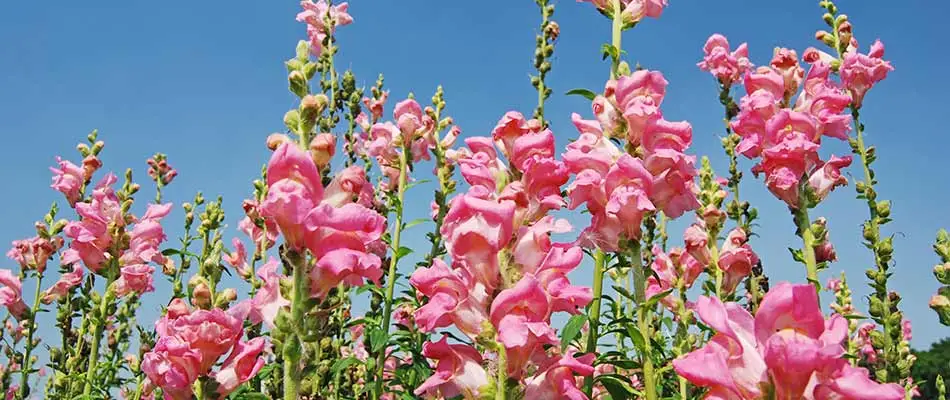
(726, 66)
(665, 135)
(135, 279)
(11, 294)
(511, 126)
(825, 101)
(453, 299)
(556, 380)
(90, 235)
(173, 366)
(243, 364)
(627, 187)
(541, 182)
(66, 282)
(146, 237)
(68, 179)
(842, 381)
(906, 330)
(249, 227)
(754, 110)
(458, 371)
(785, 62)
(295, 188)
(859, 72)
(475, 229)
(532, 145)
(268, 301)
(351, 226)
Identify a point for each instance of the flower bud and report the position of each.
(201, 296)
(623, 69)
(225, 297)
(941, 304)
(168, 267)
(275, 140)
(322, 148)
(313, 105)
(298, 83)
(883, 208)
(97, 147)
(942, 272)
(825, 252)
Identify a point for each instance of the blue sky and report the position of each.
(205, 83)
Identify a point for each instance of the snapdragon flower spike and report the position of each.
(34, 253)
(316, 14)
(633, 10)
(91, 235)
(788, 348)
(671, 268)
(454, 298)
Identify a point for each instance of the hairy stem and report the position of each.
(100, 322)
(27, 363)
(644, 322)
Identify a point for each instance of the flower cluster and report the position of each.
(618, 188)
(322, 20)
(632, 11)
(191, 342)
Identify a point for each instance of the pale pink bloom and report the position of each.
(906, 330)
(383, 141)
(628, 186)
(827, 177)
(11, 294)
(315, 14)
(403, 315)
(638, 98)
(409, 118)
(346, 266)
(173, 366)
(68, 179)
(453, 299)
(785, 62)
(238, 258)
(673, 190)
(541, 183)
(511, 126)
(556, 380)
(767, 79)
(475, 229)
(90, 235)
(243, 364)
(257, 233)
(754, 110)
(665, 135)
(520, 314)
(784, 346)
(591, 150)
(825, 101)
(211, 333)
(268, 301)
(697, 243)
(349, 186)
(458, 371)
(294, 189)
(550, 263)
(726, 66)
(134, 279)
(736, 259)
(860, 72)
(532, 145)
(375, 106)
(61, 288)
(862, 340)
(834, 284)
(146, 237)
(842, 381)
(35, 252)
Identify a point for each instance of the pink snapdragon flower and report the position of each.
(475, 230)
(173, 366)
(243, 364)
(860, 72)
(211, 333)
(146, 237)
(316, 14)
(68, 179)
(788, 347)
(827, 177)
(458, 371)
(557, 379)
(11, 294)
(66, 282)
(238, 258)
(91, 237)
(294, 188)
(521, 316)
(727, 66)
(633, 10)
(134, 279)
(268, 301)
(35, 252)
(736, 259)
(454, 299)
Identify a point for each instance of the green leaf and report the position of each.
(587, 94)
(415, 222)
(342, 364)
(617, 385)
(637, 337)
(572, 329)
(419, 182)
(651, 302)
(402, 252)
(608, 50)
(377, 340)
(623, 292)
(251, 396)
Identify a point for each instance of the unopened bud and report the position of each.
(623, 69)
(883, 208)
(97, 147)
(322, 148)
(312, 105)
(298, 83)
(942, 272)
(225, 297)
(201, 296)
(553, 30)
(275, 140)
(168, 267)
(941, 304)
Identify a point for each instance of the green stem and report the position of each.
(292, 347)
(808, 242)
(100, 322)
(616, 36)
(501, 390)
(394, 260)
(27, 363)
(644, 322)
(600, 261)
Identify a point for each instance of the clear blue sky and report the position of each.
(205, 83)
